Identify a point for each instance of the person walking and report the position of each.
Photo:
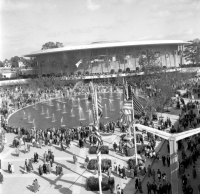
(163, 160)
(149, 171)
(194, 172)
(168, 160)
(1, 178)
(159, 174)
(153, 174)
(12, 168)
(149, 187)
(9, 167)
(74, 159)
(40, 170)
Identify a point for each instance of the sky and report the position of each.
(25, 25)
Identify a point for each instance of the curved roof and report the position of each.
(107, 45)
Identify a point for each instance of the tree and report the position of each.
(192, 51)
(51, 45)
(1, 64)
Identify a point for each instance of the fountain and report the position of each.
(106, 112)
(111, 92)
(121, 104)
(29, 118)
(79, 102)
(87, 106)
(24, 115)
(61, 120)
(58, 107)
(90, 117)
(104, 94)
(64, 109)
(50, 102)
(100, 99)
(34, 123)
(73, 102)
(42, 113)
(53, 118)
(72, 112)
(111, 105)
(81, 117)
(86, 96)
(47, 114)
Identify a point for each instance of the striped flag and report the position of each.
(100, 108)
(77, 64)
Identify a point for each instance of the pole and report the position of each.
(136, 161)
(99, 171)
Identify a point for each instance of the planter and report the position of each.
(104, 150)
(92, 183)
(105, 164)
(131, 152)
(132, 163)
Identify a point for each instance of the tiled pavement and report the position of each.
(74, 177)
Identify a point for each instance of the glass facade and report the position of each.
(105, 59)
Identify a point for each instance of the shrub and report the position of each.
(132, 163)
(105, 163)
(93, 150)
(93, 183)
(104, 150)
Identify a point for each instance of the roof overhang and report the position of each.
(108, 45)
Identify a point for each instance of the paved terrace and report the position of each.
(74, 178)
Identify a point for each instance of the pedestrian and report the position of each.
(154, 187)
(149, 171)
(159, 174)
(199, 188)
(57, 170)
(111, 183)
(37, 185)
(109, 171)
(9, 167)
(136, 183)
(118, 189)
(194, 172)
(163, 160)
(12, 168)
(132, 173)
(153, 174)
(1, 178)
(44, 168)
(40, 170)
(168, 160)
(149, 187)
(124, 173)
(140, 186)
(74, 159)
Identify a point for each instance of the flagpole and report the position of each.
(99, 171)
(135, 143)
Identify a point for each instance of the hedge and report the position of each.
(132, 163)
(104, 163)
(104, 150)
(92, 183)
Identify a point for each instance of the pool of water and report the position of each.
(67, 112)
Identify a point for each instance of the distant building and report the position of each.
(102, 57)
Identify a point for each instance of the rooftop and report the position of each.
(106, 44)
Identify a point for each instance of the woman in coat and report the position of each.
(40, 170)
(57, 170)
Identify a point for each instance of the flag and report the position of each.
(100, 108)
(77, 64)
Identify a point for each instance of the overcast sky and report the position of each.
(27, 24)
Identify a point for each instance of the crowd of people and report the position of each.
(20, 96)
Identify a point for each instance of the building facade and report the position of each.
(104, 57)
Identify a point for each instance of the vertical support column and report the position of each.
(174, 165)
(99, 171)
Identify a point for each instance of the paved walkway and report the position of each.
(74, 177)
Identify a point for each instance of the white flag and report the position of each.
(77, 64)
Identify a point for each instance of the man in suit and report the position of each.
(168, 160)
